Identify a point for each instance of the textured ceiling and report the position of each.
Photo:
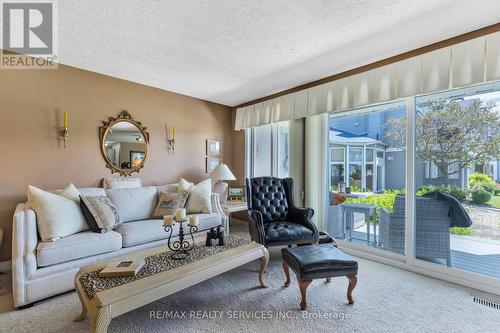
(230, 51)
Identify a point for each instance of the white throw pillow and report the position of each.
(134, 204)
(184, 185)
(57, 216)
(199, 200)
(121, 182)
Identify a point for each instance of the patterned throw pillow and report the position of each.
(168, 202)
(101, 215)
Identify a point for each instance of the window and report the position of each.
(268, 151)
(337, 181)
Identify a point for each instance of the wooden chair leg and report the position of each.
(303, 284)
(353, 280)
(287, 273)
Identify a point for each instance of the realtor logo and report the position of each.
(28, 34)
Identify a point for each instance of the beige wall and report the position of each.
(31, 105)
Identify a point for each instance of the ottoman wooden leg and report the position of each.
(328, 280)
(353, 280)
(303, 284)
(287, 274)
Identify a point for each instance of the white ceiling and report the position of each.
(230, 51)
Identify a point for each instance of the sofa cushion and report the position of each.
(139, 232)
(121, 182)
(134, 203)
(200, 197)
(92, 192)
(168, 188)
(80, 245)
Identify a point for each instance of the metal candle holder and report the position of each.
(64, 134)
(180, 247)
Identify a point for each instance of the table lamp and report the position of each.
(221, 173)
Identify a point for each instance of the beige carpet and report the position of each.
(387, 300)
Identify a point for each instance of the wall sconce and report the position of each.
(64, 131)
(171, 139)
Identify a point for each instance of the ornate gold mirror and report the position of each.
(124, 144)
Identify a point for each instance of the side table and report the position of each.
(348, 210)
(233, 207)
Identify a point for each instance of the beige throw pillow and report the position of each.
(184, 185)
(57, 216)
(168, 202)
(199, 200)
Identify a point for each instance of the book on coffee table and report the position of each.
(122, 268)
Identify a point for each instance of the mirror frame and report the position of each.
(104, 130)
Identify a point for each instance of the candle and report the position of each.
(174, 133)
(180, 214)
(194, 220)
(65, 118)
(168, 220)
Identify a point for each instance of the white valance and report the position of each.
(471, 62)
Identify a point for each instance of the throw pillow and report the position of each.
(57, 216)
(134, 203)
(121, 182)
(101, 215)
(168, 203)
(200, 198)
(184, 185)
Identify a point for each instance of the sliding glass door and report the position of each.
(418, 181)
(366, 173)
(455, 132)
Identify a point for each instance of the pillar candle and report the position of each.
(168, 220)
(180, 214)
(194, 220)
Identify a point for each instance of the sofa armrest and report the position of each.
(24, 242)
(217, 208)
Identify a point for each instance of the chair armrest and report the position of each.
(256, 226)
(24, 242)
(217, 208)
(304, 217)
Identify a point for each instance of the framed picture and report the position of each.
(214, 148)
(237, 193)
(136, 155)
(212, 162)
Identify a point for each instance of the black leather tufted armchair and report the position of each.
(273, 218)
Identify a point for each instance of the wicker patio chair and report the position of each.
(432, 228)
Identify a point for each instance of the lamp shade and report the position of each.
(222, 172)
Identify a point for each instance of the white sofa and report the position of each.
(43, 269)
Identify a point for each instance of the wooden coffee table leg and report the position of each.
(287, 273)
(83, 313)
(353, 280)
(263, 265)
(303, 284)
(100, 323)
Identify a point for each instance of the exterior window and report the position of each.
(268, 151)
(337, 181)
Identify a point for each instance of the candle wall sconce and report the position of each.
(171, 139)
(64, 131)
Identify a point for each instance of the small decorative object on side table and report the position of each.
(180, 247)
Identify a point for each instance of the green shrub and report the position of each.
(385, 199)
(480, 195)
(454, 191)
(462, 231)
(497, 191)
(481, 180)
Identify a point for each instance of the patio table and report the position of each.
(348, 209)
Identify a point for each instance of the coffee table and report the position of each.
(103, 305)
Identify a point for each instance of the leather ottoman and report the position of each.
(319, 261)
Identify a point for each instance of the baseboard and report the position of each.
(5, 266)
